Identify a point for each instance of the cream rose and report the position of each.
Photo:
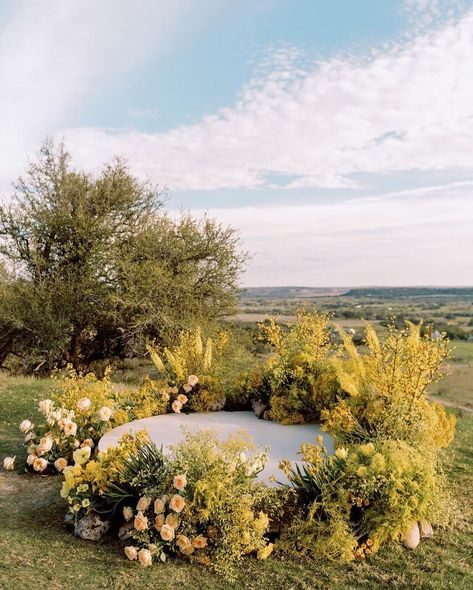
(131, 552)
(182, 541)
(143, 503)
(158, 506)
(174, 390)
(159, 521)
(180, 482)
(9, 463)
(31, 459)
(182, 398)
(176, 406)
(127, 513)
(25, 426)
(83, 404)
(177, 503)
(192, 380)
(29, 437)
(172, 520)
(45, 445)
(144, 557)
(40, 464)
(140, 522)
(88, 442)
(187, 388)
(70, 428)
(199, 542)
(81, 456)
(60, 464)
(167, 532)
(45, 406)
(105, 413)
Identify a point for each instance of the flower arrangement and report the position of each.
(189, 376)
(83, 408)
(199, 502)
(298, 381)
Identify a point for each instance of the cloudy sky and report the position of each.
(336, 135)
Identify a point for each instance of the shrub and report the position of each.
(384, 390)
(298, 380)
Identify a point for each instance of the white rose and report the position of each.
(105, 413)
(25, 426)
(83, 404)
(9, 463)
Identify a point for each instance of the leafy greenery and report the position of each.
(93, 267)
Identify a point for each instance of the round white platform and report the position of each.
(284, 441)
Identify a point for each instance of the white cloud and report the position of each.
(409, 107)
(55, 55)
(413, 237)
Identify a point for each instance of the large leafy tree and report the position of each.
(93, 266)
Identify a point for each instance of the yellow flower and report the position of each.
(140, 522)
(85, 503)
(265, 552)
(81, 456)
(177, 503)
(341, 453)
(180, 482)
(362, 471)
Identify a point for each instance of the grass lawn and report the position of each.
(37, 552)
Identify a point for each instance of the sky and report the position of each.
(336, 136)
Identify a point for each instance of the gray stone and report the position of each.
(69, 520)
(91, 527)
(124, 532)
(258, 408)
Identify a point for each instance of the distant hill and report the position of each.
(291, 292)
(410, 292)
(359, 292)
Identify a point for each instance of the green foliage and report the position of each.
(94, 267)
(298, 380)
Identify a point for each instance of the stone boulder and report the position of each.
(91, 527)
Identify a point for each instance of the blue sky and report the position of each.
(335, 135)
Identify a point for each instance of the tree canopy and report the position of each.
(92, 266)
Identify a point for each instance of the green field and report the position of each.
(38, 552)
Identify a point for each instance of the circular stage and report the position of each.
(284, 441)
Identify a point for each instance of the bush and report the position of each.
(298, 381)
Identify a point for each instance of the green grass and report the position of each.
(36, 551)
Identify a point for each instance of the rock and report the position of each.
(124, 532)
(91, 527)
(266, 415)
(411, 537)
(426, 530)
(258, 408)
(69, 520)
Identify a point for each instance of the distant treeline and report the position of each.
(409, 292)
